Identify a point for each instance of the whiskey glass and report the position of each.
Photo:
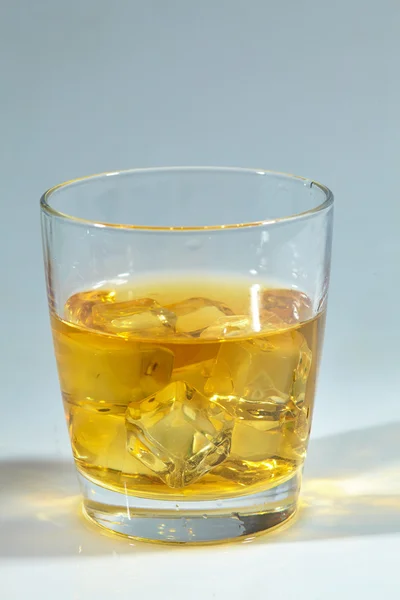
(187, 306)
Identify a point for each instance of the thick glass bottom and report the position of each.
(196, 521)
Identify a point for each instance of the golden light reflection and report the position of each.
(364, 504)
(378, 484)
(48, 508)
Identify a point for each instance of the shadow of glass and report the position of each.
(40, 508)
(351, 488)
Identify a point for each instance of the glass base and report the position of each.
(195, 521)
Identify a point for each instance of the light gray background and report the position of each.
(309, 87)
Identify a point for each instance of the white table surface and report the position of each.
(308, 87)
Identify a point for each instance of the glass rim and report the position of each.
(47, 208)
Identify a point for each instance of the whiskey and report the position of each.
(188, 388)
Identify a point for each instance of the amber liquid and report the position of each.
(188, 389)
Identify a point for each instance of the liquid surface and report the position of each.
(188, 389)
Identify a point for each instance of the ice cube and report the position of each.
(196, 374)
(258, 423)
(264, 415)
(194, 315)
(229, 326)
(95, 434)
(302, 428)
(178, 433)
(141, 315)
(290, 306)
(110, 372)
(78, 308)
(193, 353)
(194, 362)
(295, 424)
(155, 368)
(261, 369)
(98, 439)
(248, 472)
(251, 443)
(265, 435)
(262, 383)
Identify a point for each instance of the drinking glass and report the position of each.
(187, 307)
